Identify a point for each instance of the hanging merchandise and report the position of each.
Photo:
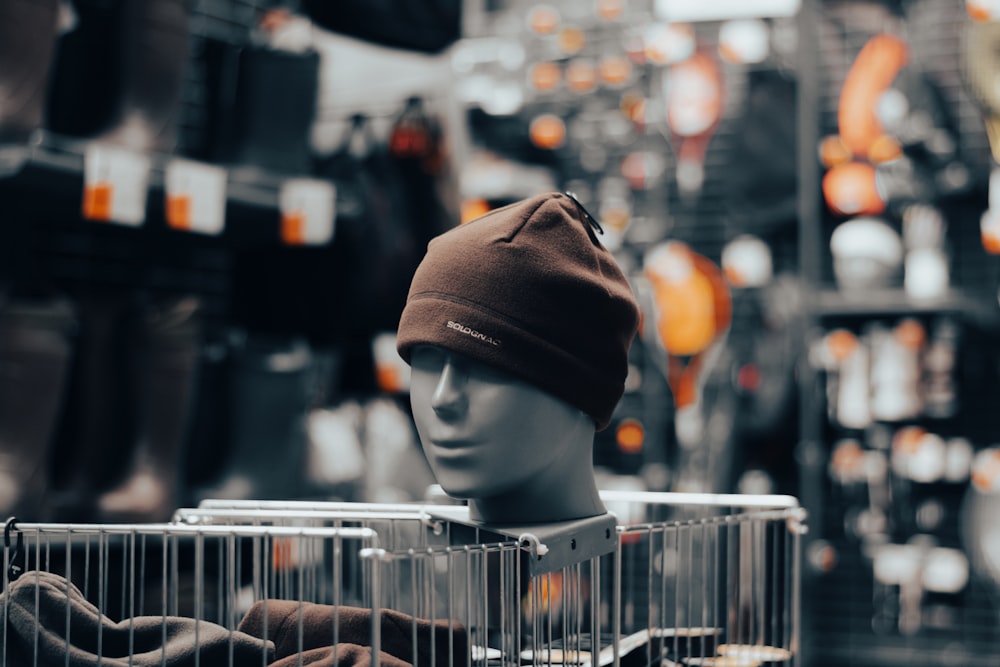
(691, 312)
(423, 26)
(897, 143)
(765, 350)
(614, 70)
(925, 270)
(615, 212)
(853, 401)
(940, 361)
(36, 341)
(547, 131)
(267, 120)
(571, 40)
(412, 135)
(163, 356)
(872, 73)
(762, 194)
(581, 76)
(918, 455)
(979, 70)
(544, 76)
(610, 10)
(844, 359)
(867, 253)
(746, 262)
(270, 383)
(414, 203)
(744, 41)
(980, 63)
(543, 19)
(694, 96)
(92, 435)
(689, 316)
(989, 222)
(980, 529)
(119, 72)
(28, 30)
(895, 370)
(850, 188)
(668, 43)
(121, 437)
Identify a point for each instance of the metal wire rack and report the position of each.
(687, 579)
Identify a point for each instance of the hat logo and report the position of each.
(468, 331)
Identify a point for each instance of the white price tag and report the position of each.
(308, 208)
(115, 183)
(195, 196)
(392, 374)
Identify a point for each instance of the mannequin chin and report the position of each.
(516, 453)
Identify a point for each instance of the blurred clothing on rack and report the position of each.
(122, 437)
(36, 349)
(27, 48)
(119, 72)
(424, 26)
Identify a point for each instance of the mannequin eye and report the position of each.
(428, 358)
(488, 373)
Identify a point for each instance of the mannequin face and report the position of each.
(486, 433)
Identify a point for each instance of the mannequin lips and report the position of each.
(452, 445)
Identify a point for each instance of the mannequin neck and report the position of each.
(564, 491)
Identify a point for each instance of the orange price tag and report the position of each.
(293, 227)
(195, 196)
(308, 211)
(179, 212)
(115, 183)
(97, 198)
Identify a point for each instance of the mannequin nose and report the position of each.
(449, 392)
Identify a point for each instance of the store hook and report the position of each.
(14, 569)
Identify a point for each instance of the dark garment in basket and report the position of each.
(342, 635)
(48, 619)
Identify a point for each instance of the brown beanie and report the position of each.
(529, 289)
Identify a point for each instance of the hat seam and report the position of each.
(509, 238)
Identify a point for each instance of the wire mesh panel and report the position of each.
(180, 595)
(693, 579)
(697, 580)
(707, 579)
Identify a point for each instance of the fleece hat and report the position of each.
(530, 290)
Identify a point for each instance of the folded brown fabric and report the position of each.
(415, 641)
(341, 655)
(49, 620)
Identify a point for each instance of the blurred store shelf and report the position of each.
(47, 175)
(45, 155)
(895, 302)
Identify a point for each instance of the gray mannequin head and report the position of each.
(517, 328)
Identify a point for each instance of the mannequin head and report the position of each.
(517, 327)
(514, 450)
